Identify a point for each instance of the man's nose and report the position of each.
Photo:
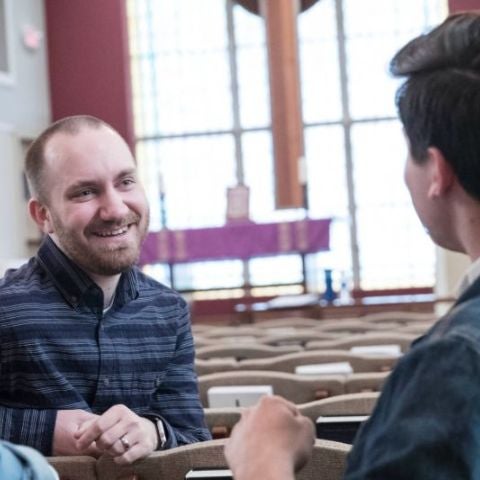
(113, 206)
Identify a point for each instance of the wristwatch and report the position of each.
(161, 435)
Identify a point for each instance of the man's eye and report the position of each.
(83, 193)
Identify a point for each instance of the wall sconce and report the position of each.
(32, 37)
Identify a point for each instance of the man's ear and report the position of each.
(40, 215)
(442, 176)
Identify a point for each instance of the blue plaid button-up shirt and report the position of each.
(60, 351)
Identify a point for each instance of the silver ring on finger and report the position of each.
(124, 441)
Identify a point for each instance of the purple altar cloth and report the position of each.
(236, 241)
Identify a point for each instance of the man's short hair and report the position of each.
(35, 156)
(439, 103)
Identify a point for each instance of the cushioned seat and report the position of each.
(220, 421)
(288, 363)
(404, 340)
(327, 462)
(296, 388)
(244, 351)
(170, 464)
(74, 468)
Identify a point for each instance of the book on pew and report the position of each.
(377, 350)
(209, 474)
(237, 396)
(341, 428)
(332, 368)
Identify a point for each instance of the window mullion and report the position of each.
(237, 129)
(232, 56)
(347, 124)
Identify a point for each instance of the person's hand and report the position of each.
(66, 425)
(121, 433)
(271, 441)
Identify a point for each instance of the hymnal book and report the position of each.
(209, 474)
(377, 350)
(237, 396)
(335, 368)
(339, 428)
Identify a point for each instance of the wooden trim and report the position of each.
(359, 293)
(225, 311)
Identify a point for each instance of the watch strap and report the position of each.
(160, 429)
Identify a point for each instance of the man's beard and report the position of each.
(102, 261)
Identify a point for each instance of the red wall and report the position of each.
(88, 61)
(459, 5)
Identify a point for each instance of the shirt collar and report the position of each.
(75, 285)
(469, 277)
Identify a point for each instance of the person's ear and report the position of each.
(40, 215)
(442, 176)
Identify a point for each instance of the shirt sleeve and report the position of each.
(426, 422)
(26, 426)
(24, 463)
(176, 401)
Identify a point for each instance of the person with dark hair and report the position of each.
(96, 357)
(426, 424)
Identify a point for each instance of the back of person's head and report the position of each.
(439, 103)
(35, 157)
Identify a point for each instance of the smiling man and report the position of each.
(96, 357)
